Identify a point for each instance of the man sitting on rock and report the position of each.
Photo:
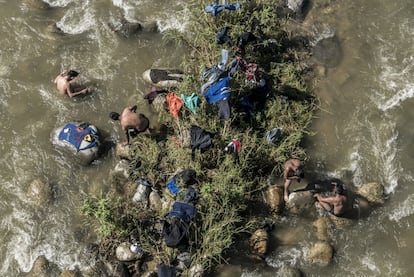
(335, 204)
(132, 123)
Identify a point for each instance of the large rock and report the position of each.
(320, 253)
(300, 202)
(339, 222)
(373, 192)
(40, 192)
(124, 254)
(259, 242)
(274, 198)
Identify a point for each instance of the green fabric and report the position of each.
(191, 101)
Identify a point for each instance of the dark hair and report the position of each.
(114, 115)
(72, 73)
(339, 189)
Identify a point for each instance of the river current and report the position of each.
(363, 130)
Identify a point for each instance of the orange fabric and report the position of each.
(174, 104)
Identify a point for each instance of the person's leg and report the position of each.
(286, 189)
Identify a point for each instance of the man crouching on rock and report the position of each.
(132, 123)
(336, 204)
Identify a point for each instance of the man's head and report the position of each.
(72, 73)
(339, 189)
(114, 115)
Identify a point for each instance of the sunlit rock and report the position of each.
(40, 192)
(373, 192)
(339, 222)
(320, 253)
(274, 198)
(259, 242)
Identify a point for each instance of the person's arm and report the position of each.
(329, 200)
(72, 94)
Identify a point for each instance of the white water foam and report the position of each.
(406, 93)
(58, 3)
(290, 256)
(165, 18)
(404, 209)
(77, 19)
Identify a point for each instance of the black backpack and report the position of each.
(176, 233)
(200, 139)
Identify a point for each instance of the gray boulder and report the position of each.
(300, 202)
(124, 27)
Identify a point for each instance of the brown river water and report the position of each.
(363, 131)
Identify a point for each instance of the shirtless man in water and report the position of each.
(132, 123)
(63, 83)
(293, 171)
(334, 204)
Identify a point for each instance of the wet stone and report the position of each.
(328, 52)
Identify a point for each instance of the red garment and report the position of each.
(237, 144)
(174, 104)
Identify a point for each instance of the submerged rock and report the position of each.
(328, 51)
(320, 253)
(40, 192)
(373, 192)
